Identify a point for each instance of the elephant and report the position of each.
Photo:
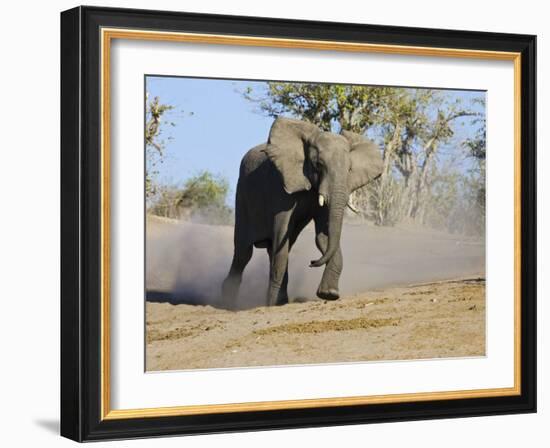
(301, 174)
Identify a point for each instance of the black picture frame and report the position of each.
(81, 224)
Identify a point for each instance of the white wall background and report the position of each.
(29, 225)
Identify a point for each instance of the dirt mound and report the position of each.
(322, 326)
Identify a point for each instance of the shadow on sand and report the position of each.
(156, 296)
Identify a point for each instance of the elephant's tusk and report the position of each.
(352, 208)
(321, 200)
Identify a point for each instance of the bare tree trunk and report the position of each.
(384, 196)
(419, 196)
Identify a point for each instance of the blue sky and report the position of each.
(215, 125)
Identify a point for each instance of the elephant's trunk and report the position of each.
(337, 204)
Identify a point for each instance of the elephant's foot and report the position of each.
(328, 293)
(276, 297)
(230, 289)
(328, 288)
(282, 300)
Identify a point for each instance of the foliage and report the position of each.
(354, 108)
(154, 145)
(477, 144)
(202, 198)
(475, 181)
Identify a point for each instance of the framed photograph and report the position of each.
(272, 223)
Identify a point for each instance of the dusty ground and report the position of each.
(379, 316)
(444, 319)
(186, 263)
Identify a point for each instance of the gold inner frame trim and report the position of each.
(107, 35)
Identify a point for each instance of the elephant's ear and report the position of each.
(286, 148)
(366, 160)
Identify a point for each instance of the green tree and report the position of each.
(330, 106)
(202, 198)
(203, 190)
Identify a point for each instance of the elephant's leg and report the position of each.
(283, 292)
(328, 288)
(230, 287)
(282, 297)
(278, 274)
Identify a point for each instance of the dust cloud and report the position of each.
(186, 262)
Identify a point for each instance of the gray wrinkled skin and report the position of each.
(301, 174)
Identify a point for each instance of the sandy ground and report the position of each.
(398, 300)
(445, 319)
